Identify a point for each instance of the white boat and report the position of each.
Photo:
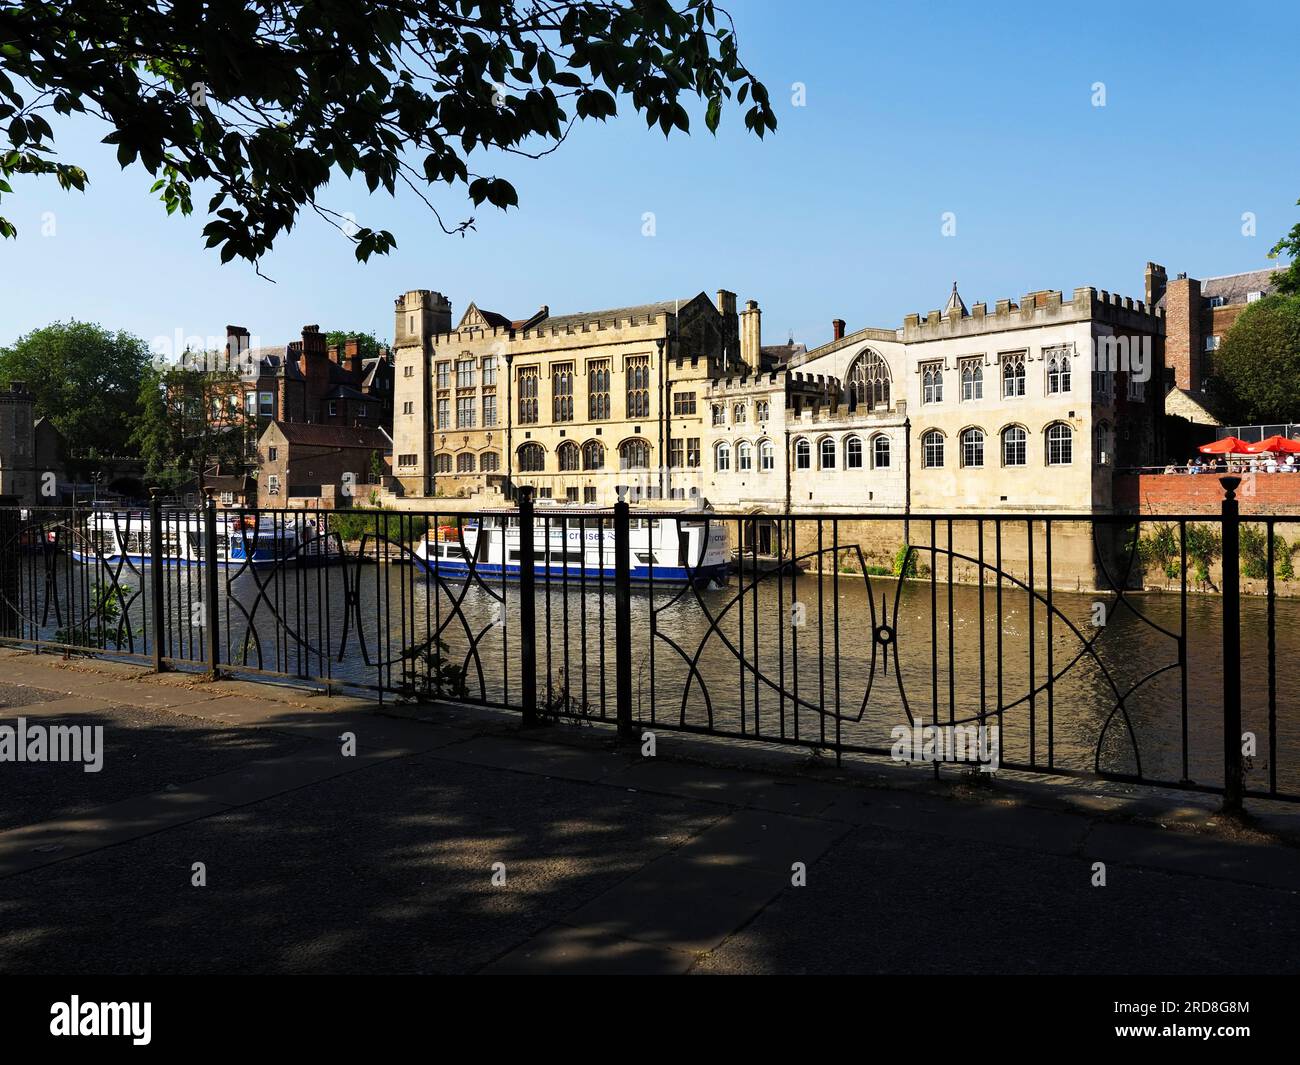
(242, 539)
(576, 545)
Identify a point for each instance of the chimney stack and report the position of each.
(1157, 280)
(837, 328)
(751, 336)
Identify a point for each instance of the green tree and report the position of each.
(369, 345)
(1257, 366)
(188, 423)
(1287, 281)
(85, 380)
(264, 102)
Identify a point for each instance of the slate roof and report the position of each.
(313, 435)
(1234, 288)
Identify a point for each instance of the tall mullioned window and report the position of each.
(972, 448)
(932, 383)
(532, 459)
(880, 452)
(1058, 372)
(562, 392)
(529, 378)
(1013, 446)
(593, 455)
(489, 370)
(598, 390)
(637, 369)
(1013, 374)
(634, 455)
(490, 409)
(867, 382)
(444, 414)
(465, 412)
(1060, 445)
(465, 373)
(972, 380)
(568, 456)
(932, 449)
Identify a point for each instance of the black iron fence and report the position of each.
(1079, 642)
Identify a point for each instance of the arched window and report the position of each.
(465, 462)
(972, 448)
(1058, 373)
(1060, 444)
(1101, 444)
(880, 452)
(1013, 446)
(802, 455)
(744, 457)
(827, 449)
(634, 455)
(532, 458)
(442, 463)
(738, 414)
(766, 456)
(1013, 374)
(932, 449)
(722, 458)
(867, 382)
(932, 383)
(593, 455)
(853, 453)
(567, 456)
(972, 380)
(489, 462)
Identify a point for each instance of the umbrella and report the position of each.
(1278, 445)
(1229, 445)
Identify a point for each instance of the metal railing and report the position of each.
(829, 632)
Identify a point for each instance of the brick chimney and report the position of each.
(352, 357)
(237, 345)
(1184, 342)
(837, 329)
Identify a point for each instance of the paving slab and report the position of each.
(562, 950)
(525, 756)
(1186, 852)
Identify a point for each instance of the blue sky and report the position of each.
(912, 110)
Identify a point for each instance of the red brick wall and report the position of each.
(1181, 493)
(1184, 344)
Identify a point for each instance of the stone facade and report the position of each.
(19, 475)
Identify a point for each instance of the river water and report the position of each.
(788, 660)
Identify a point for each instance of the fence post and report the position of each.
(623, 616)
(156, 578)
(1232, 772)
(527, 606)
(212, 623)
(10, 566)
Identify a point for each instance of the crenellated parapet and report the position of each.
(1045, 307)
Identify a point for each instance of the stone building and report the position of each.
(317, 466)
(19, 475)
(572, 405)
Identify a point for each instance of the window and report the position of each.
(333, 408)
(1103, 384)
(1212, 343)
(465, 462)
(719, 414)
(766, 456)
(271, 453)
(442, 463)
(273, 484)
(676, 453)
(528, 380)
(972, 379)
(932, 449)
(589, 494)
(361, 410)
(1013, 446)
(568, 456)
(598, 390)
(738, 413)
(634, 455)
(227, 498)
(693, 451)
(489, 462)
(683, 402)
(408, 407)
(444, 413)
(490, 409)
(1216, 301)
(802, 455)
(1013, 374)
(532, 459)
(408, 371)
(1058, 372)
(722, 458)
(266, 403)
(827, 454)
(464, 373)
(867, 382)
(1060, 445)
(853, 453)
(408, 460)
(744, 457)
(760, 410)
(637, 370)
(562, 392)
(250, 404)
(444, 375)
(1252, 297)
(1137, 390)
(972, 448)
(593, 455)
(489, 368)
(1101, 445)
(465, 412)
(880, 453)
(932, 383)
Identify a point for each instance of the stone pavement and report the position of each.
(385, 861)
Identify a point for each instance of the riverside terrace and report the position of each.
(805, 644)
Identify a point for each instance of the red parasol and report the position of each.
(1278, 445)
(1229, 445)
